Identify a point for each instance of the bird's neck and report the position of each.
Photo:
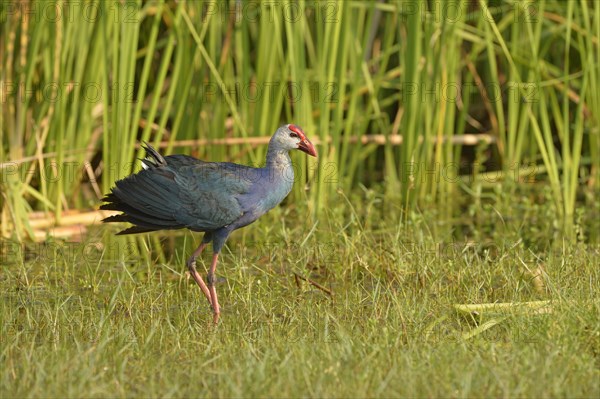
(279, 174)
(278, 159)
(280, 171)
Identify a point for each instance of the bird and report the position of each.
(216, 198)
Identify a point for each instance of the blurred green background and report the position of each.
(432, 103)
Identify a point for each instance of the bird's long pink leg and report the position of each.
(211, 286)
(191, 264)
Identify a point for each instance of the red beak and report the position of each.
(307, 147)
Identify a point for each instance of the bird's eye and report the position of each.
(293, 135)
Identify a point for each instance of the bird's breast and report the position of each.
(276, 188)
(267, 191)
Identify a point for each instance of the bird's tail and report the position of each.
(153, 158)
(146, 198)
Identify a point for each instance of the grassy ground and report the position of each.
(99, 319)
(90, 320)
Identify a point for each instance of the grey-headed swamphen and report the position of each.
(178, 191)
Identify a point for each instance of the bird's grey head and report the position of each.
(291, 137)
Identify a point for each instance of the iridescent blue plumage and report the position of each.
(179, 191)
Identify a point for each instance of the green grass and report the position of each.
(398, 241)
(93, 320)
